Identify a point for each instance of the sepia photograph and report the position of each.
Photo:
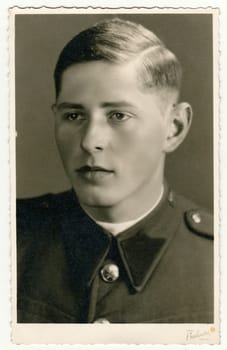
(115, 189)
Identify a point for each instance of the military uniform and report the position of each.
(70, 270)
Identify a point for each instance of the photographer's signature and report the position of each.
(198, 334)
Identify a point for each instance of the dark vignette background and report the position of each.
(39, 39)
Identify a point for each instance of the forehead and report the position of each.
(101, 82)
(98, 81)
(99, 73)
(105, 76)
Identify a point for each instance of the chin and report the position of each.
(91, 199)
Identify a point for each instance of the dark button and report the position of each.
(109, 272)
(101, 320)
(45, 204)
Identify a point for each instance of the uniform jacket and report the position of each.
(163, 264)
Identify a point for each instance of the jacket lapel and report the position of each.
(141, 247)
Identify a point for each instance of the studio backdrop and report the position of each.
(40, 38)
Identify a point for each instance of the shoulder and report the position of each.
(44, 201)
(35, 213)
(38, 222)
(192, 247)
(197, 220)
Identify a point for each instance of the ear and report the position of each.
(179, 124)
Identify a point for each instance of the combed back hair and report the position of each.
(120, 41)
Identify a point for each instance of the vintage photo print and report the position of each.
(114, 175)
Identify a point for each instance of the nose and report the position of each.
(94, 137)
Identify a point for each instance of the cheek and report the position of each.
(66, 142)
(154, 134)
(144, 141)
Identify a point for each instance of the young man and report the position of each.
(120, 246)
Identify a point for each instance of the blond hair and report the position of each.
(120, 41)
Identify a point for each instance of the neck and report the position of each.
(126, 210)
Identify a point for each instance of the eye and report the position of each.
(119, 116)
(72, 116)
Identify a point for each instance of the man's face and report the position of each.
(110, 134)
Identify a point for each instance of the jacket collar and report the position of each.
(140, 247)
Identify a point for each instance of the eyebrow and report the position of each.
(65, 105)
(116, 104)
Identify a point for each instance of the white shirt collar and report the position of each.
(116, 228)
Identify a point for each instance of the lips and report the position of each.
(87, 168)
(94, 174)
